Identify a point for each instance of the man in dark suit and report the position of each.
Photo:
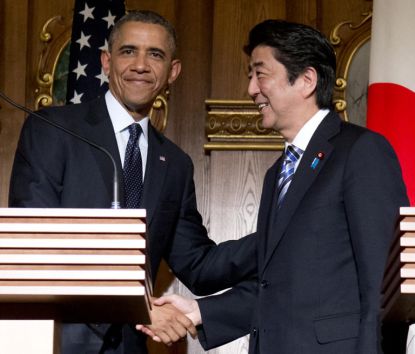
(54, 169)
(327, 215)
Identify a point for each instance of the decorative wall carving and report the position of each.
(350, 40)
(55, 35)
(237, 125)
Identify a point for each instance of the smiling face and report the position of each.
(140, 65)
(284, 106)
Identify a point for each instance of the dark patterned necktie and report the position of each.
(133, 169)
(291, 156)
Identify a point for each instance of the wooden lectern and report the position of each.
(399, 282)
(73, 265)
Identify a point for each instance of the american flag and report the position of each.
(92, 23)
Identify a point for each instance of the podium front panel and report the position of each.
(74, 265)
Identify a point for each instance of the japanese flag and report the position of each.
(391, 97)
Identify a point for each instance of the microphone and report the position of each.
(115, 204)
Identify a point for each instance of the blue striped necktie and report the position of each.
(291, 156)
(133, 169)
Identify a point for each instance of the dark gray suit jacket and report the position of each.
(54, 169)
(321, 256)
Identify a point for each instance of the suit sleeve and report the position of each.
(227, 316)
(197, 261)
(38, 166)
(373, 193)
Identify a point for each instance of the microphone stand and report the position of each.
(115, 204)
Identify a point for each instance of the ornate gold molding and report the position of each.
(237, 125)
(55, 34)
(347, 38)
(160, 111)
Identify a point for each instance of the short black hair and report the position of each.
(298, 47)
(145, 16)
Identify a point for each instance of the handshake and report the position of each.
(172, 317)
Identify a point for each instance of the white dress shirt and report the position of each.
(305, 134)
(121, 120)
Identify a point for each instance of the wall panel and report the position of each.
(232, 21)
(14, 24)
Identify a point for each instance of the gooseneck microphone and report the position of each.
(115, 204)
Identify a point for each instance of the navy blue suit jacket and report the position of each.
(321, 256)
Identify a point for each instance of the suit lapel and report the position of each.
(304, 177)
(156, 168)
(266, 210)
(100, 130)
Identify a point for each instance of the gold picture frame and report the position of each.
(352, 44)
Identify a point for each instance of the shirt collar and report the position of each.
(120, 118)
(305, 134)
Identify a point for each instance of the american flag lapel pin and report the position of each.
(163, 158)
(317, 159)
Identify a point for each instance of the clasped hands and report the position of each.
(172, 317)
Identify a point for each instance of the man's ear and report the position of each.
(105, 62)
(310, 79)
(176, 67)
